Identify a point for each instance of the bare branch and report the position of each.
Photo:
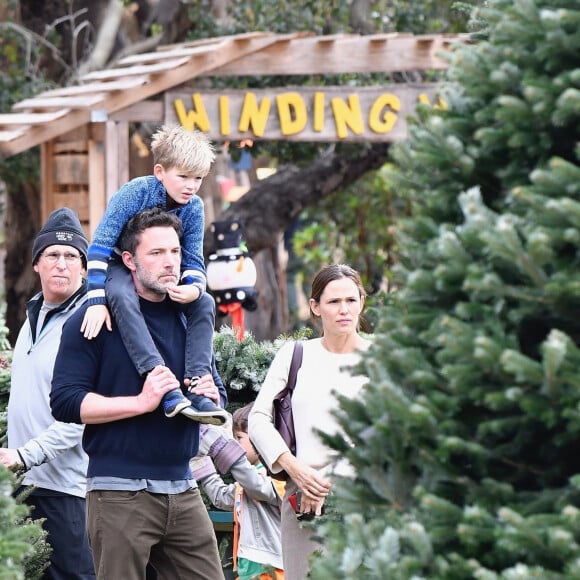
(31, 38)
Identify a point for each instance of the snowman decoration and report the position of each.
(231, 274)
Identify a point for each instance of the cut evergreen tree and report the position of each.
(465, 444)
(24, 553)
(243, 364)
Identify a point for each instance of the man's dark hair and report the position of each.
(149, 218)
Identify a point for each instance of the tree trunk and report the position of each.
(23, 223)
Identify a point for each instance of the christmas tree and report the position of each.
(465, 444)
(24, 552)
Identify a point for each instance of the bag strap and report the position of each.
(294, 366)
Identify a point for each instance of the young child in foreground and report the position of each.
(181, 160)
(254, 498)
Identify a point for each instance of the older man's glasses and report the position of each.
(53, 257)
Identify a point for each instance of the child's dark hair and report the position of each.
(240, 418)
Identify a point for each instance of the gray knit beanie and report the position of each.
(61, 228)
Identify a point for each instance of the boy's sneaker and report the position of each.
(203, 410)
(174, 402)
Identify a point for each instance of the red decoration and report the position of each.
(234, 309)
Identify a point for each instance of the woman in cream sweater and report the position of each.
(336, 303)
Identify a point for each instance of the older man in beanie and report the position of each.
(48, 451)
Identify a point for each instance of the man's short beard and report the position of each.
(151, 286)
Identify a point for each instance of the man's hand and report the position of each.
(95, 316)
(10, 458)
(96, 409)
(158, 382)
(206, 388)
(184, 294)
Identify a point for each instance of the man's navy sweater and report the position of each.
(149, 446)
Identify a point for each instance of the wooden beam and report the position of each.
(163, 55)
(97, 87)
(73, 102)
(141, 112)
(31, 118)
(338, 55)
(7, 136)
(216, 40)
(40, 133)
(141, 69)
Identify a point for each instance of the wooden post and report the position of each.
(97, 175)
(117, 156)
(46, 179)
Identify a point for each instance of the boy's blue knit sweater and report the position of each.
(149, 446)
(135, 196)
